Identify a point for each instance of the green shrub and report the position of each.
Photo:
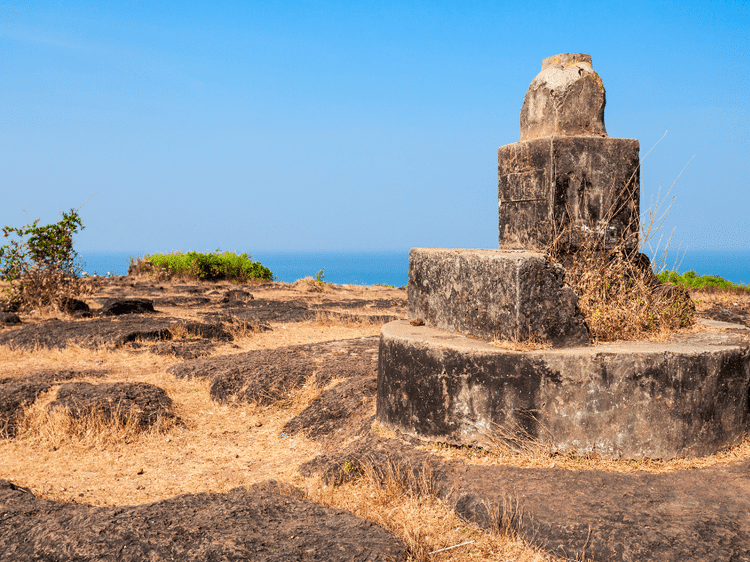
(691, 280)
(215, 266)
(39, 265)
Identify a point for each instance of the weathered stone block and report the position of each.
(494, 294)
(632, 399)
(568, 185)
(566, 98)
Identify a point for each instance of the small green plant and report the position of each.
(691, 280)
(39, 265)
(214, 266)
(319, 276)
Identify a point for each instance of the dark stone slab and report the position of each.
(114, 331)
(266, 523)
(236, 295)
(268, 376)
(494, 294)
(263, 310)
(339, 412)
(72, 306)
(694, 515)
(138, 403)
(566, 98)
(181, 301)
(686, 515)
(552, 185)
(633, 399)
(16, 393)
(117, 307)
(9, 318)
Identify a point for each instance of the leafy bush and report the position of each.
(39, 265)
(691, 280)
(216, 266)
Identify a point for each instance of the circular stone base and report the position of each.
(687, 397)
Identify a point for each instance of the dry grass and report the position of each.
(220, 447)
(616, 286)
(312, 285)
(618, 299)
(56, 427)
(216, 449)
(521, 345)
(736, 301)
(528, 453)
(397, 499)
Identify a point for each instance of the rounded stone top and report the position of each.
(566, 98)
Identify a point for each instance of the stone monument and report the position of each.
(440, 379)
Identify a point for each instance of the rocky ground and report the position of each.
(216, 422)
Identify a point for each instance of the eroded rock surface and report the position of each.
(138, 403)
(267, 376)
(18, 392)
(112, 331)
(566, 98)
(263, 523)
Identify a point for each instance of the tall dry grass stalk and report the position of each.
(96, 429)
(404, 501)
(618, 292)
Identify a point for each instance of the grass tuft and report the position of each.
(214, 266)
(709, 283)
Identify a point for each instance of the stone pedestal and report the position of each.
(564, 183)
(568, 185)
(631, 399)
(494, 294)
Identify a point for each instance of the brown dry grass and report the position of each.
(530, 454)
(396, 500)
(736, 301)
(219, 447)
(58, 428)
(520, 345)
(617, 298)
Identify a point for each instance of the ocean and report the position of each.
(352, 268)
(392, 268)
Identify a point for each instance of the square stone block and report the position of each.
(571, 185)
(494, 294)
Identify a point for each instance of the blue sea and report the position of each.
(392, 268)
(352, 268)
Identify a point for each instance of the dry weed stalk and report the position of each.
(404, 500)
(93, 429)
(618, 292)
(521, 345)
(514, 439)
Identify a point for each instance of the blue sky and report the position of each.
(348, 126)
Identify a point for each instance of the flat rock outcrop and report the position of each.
(111, 331)
(686, 515)
(267, 376)
(137, 403)
(16, 393)
(263, 523)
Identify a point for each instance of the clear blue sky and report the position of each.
(347, 126)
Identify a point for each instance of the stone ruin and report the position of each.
(439, 379)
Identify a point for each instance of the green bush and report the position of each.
(215, 266)
(39, 265)
(692, 280)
